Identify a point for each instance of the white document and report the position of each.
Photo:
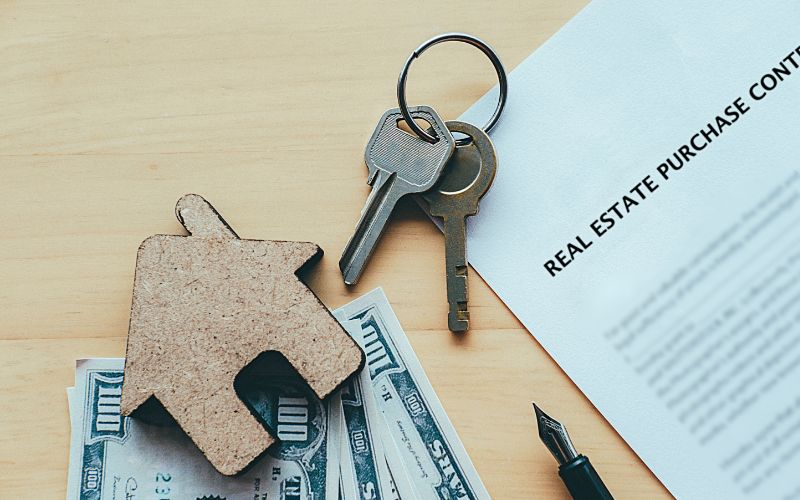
(672, 297)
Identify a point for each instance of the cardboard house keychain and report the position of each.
(205, 306)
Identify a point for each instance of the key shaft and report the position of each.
(371, 225)
(455, 254)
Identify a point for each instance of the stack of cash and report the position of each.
(384, 434)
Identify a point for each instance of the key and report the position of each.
(466, 178)
(399, 163)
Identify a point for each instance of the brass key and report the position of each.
(466, 178)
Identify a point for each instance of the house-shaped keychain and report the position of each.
(204, 307)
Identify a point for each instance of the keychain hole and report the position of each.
(421, 122)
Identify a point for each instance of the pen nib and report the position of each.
(554, 435)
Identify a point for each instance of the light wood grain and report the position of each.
(112, 110)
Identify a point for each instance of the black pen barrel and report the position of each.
(582, 481)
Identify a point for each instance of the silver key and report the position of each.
(399, 163)
(466, 178)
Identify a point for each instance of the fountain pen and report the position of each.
(575, 470)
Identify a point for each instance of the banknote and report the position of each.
(365, 466)
(365, 474)
(432, 453)
(115, 457)
(399, 478)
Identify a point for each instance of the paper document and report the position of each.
(644, 225)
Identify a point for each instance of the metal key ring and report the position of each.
(455, 37)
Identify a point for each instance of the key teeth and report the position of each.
(457, 324)
(458, 318)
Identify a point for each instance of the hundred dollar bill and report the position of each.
(399, 478)
(365, 466)
(435, 458)
(124, 458)
(365, 474)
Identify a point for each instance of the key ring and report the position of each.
(455, 37)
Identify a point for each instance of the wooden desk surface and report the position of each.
(112, 110)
